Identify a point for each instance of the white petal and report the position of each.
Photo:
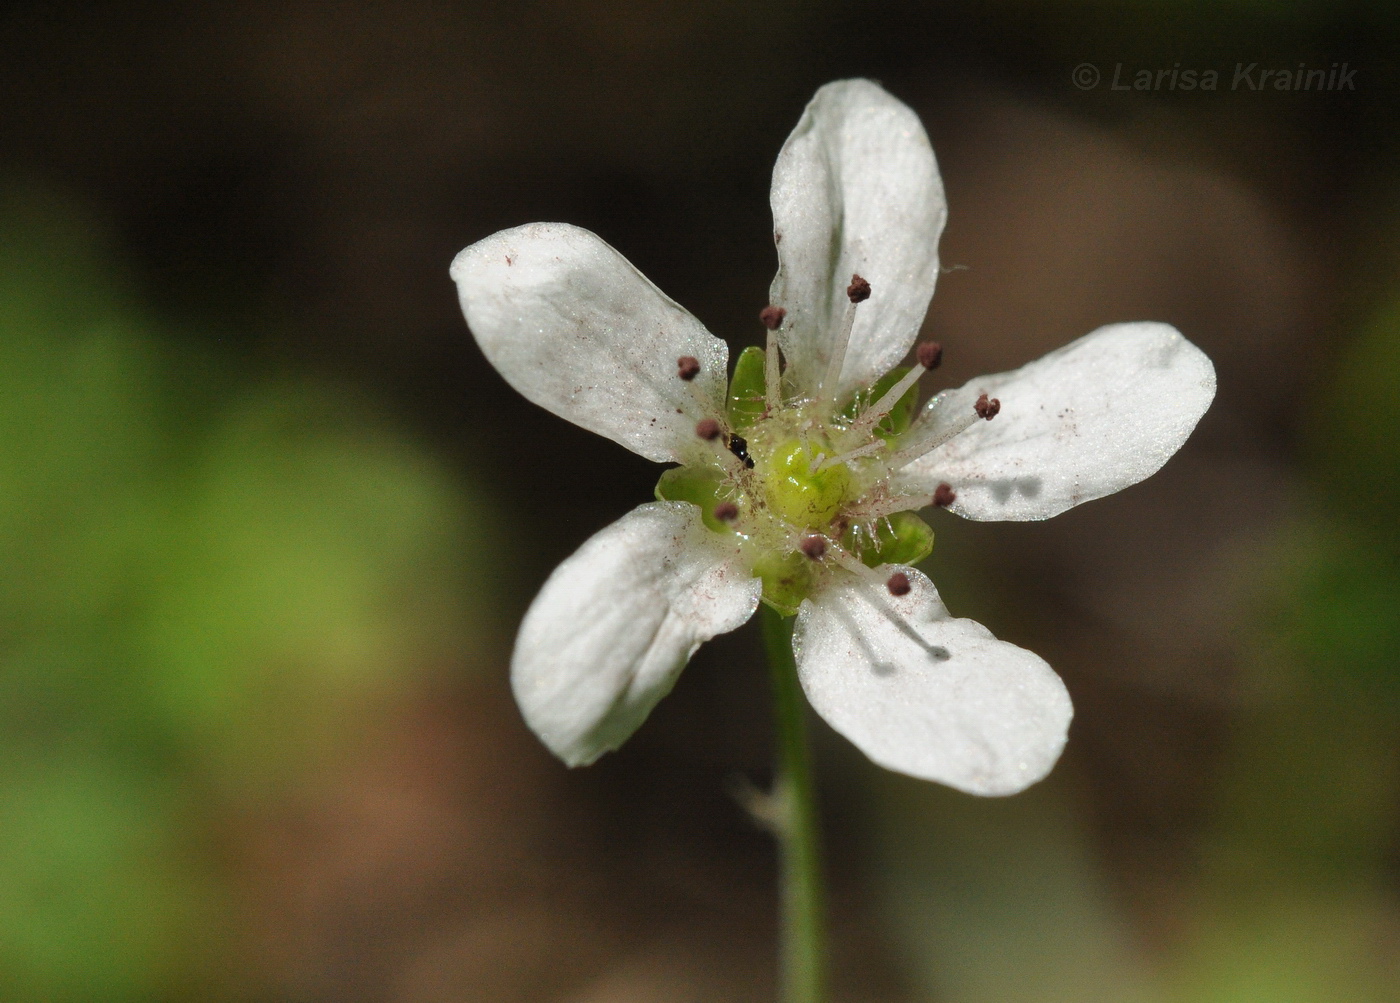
(925, 694)
(575, 328)
(614, 625)
(1084, 421)
(855, 190)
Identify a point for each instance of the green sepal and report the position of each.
(787, 580)
(903, 538)
(747, 389)
(897, 422)
(698, 484)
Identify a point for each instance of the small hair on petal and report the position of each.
(987, 408)
(943, 495)
(813, 546)
(687, 367)
(726, 511)
(707, 429)
(772, 317)
(858, 290)
(929, 354)
(898, 584)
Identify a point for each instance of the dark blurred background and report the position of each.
(268, 520)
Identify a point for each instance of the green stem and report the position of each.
(795, 825)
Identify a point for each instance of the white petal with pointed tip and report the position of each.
(855, 190)
(925, 694)
(575, 328)
(1082, 422)
(616, 622)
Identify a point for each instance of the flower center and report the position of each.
(799, 490)
(804, 486)
(780, 485)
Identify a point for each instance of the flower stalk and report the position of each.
(803, 895)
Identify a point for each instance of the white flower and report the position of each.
(798, 487)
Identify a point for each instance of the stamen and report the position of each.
(929, 354)
(987, 408)
(772, 374)
(866, 450)
(857, 292)
(772, 317)
(726, 511)
(687, 367)
(941, 419)
(883, 508)
(707, 429)
(814, 547)
(943, 495)
(871, 416)
(884, 608)
(898, 584)
(853, 564)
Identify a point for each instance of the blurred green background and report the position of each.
(268, 520)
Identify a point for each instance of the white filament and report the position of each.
(866, 450)
(949, 413)
(872, 415)
(827, 388)
(772, 375)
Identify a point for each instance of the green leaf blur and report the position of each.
(210, 580)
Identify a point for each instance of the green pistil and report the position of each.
(799, 496)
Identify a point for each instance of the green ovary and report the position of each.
(806, 500)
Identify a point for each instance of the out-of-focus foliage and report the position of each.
(1295, 907)
(1335, 621)
(208, 582)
